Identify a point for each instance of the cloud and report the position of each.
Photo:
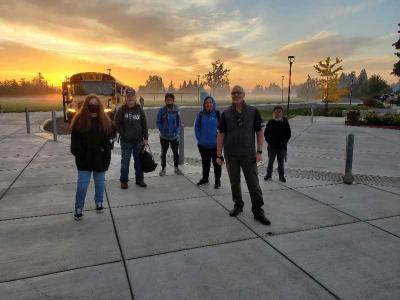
(381, 64)
(176, 39)
(161, 32)
(321, 45)
(355, 8)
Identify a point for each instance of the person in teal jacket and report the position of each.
(169, 124)
(205, 128)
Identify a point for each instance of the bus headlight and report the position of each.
(71, 98)
(107, 110)
(71, 110)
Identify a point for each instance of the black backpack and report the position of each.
(147, 160)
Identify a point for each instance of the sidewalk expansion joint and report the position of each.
(61, 271)
(193, 248)
(46, 215)
(16, 178)
(280, 252)
(380, 189)
(119, 244)
(160, 202)
(343, 212)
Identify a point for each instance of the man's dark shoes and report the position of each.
(268, 177)
(202, 182)
(124, 185)
(262, 219)
(217, 184)
(282, 178)
(235, 211)
(141, 184)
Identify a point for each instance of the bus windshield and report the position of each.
(94, 87)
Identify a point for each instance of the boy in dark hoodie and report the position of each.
(205, 129)
(130, 122)
(277, 134)
(169, 125)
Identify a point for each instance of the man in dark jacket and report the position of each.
(130, 122)
(277, 134)
(239, 127)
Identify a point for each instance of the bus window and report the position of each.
(94, 87)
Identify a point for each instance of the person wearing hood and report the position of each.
(169, 124)
(205, 129)
(277, 134)
(130, 122)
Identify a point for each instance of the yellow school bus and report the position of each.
(78, 86)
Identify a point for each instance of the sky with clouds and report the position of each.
(180, 39)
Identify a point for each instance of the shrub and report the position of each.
(332, 112)
(353, 116)
(388, 119)
(374, 103)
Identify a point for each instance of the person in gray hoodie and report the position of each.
(130, 122)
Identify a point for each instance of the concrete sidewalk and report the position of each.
(174, 240)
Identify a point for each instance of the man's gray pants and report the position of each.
(249, 167)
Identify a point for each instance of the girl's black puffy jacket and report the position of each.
(92, 149)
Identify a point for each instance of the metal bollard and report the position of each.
(312, 113)
(348, 177)
(182, 145)
(54, 118)
(28, 122)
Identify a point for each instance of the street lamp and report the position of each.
(198, 89)
(351, 89)
(291, 60)
(283, 78)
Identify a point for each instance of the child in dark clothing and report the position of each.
(277, 134)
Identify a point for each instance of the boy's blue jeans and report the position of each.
(128, 149)
(83, 183)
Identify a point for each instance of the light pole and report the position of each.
(198, 89)
(283, 78)
(291, 60)
(308, 84)
(351, 89)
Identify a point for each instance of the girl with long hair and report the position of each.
(91, 144)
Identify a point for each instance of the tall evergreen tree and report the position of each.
(396, 67)
(361, 84)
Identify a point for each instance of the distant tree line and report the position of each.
(155, 84)
(216, 80)
(37, 86)
(363, 87)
